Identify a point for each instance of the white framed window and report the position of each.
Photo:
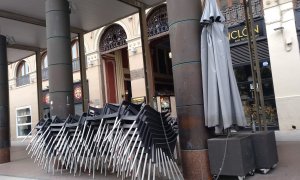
(23, 121)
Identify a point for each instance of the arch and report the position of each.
(101, 32)
(157, 20)
(114, 37)
(18, 66)
(22, 74)
(44, 59)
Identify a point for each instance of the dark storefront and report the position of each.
(241, 63)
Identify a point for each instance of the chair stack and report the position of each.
(126, 139)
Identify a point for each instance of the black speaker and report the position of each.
(239, 156)
(265, 149)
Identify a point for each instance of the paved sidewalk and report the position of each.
(23, 168)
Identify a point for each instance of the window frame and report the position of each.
(23, 124)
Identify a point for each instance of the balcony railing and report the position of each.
(22, 80)
(45, 74)
(76, 64)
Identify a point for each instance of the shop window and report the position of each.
(246, 87)
(22, 74)
(23, 121)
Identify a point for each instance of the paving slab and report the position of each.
(23, 168)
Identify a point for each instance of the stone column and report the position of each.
(39, 82)
(59, 58)
(136, 66)
(184, 30)
(285, 60)
(150, 87)
(4, 104)
(84, 81)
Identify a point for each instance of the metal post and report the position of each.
(59, 58)
(255, 67)
(149, 78)
(84, 81)
(39, 82)
(184, 29)
(4, 103)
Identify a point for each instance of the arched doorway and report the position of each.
(114, 55)
(158, 34)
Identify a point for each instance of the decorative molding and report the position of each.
(92, 57)
(134, 43)
(113, 38)
(157, 21)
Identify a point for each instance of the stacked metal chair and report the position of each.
(127, 139)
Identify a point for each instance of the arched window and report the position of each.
(45, 61)
(75, 56)
(22, 74)
(157, 21)
(113, 38)
(45, 67)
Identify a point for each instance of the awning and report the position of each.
(23, 22)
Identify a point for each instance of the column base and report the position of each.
(195, 164)
(4, 155)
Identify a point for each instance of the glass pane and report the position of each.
(26, 68)
(45, 62)
(74, 51)
(161, 60)
(23, 112)
(25, 119)
(24, 130)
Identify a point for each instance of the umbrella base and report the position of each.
(265, 150)
(233, 155)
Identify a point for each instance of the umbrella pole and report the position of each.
(255, 68)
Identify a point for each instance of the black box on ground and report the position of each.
(239, 156)
(265, 149)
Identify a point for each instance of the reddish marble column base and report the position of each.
(195, 165)
(4, 155)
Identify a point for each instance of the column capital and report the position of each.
(134, 42)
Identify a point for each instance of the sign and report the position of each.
(138, 100)
(77, 93)
(239, 33)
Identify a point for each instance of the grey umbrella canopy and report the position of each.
(222, 104)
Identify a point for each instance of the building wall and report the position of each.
(285, 60)
(22, 96)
